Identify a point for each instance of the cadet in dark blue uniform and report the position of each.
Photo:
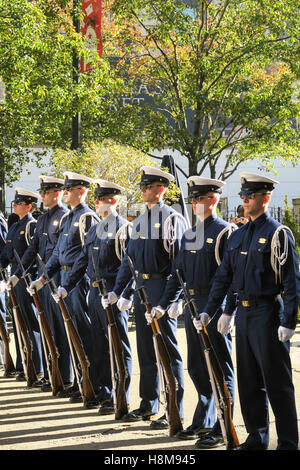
(201, 249)
(153, 263)
(18, 238)
(65, 253)
(263, 267)
(43, 243)
(3, 234)
(100, 243)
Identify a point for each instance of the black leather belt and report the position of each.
(151, 275)
(203, 291)
(248, 303)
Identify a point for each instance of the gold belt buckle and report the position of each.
(245, 303)
(146, 276)
(192, 291)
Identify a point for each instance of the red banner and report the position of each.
(91, 29)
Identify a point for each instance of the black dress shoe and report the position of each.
(10, 374)
(67, 392)
(246, 446)
(20, 377)
(89, 404)
(40, 383)
(138, 415)
(75, 397)
(46, 387)
(106, 408)
(192, 433)
(160, 423)
(209, 441)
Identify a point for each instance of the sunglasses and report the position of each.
(20, 203)
(251, 196)
(199, 198)
(44, 192)
(149, 186)
(102, 198)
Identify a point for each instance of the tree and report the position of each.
(221, 77)
(290, 222)
(112, 162)
(37, 43)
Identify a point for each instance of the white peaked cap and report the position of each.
(201, 184)
(22, 194)
(252, 182)
(150, 174)
(108, 187)
(74, 179)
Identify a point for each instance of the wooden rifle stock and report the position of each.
(8, 362)
(30, 368)
(220, 390)
(55, 379)
(54, 374)
(121, 400)
(87, 388)
(231, 437)
(175, 424)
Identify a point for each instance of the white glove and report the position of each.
(3, 286)
(175, 310)
(12, 282)
(225, 324)
(111, 299)
(35, 286)
(285, 334)
(60, 294)
(156, 312)
(203, 320)
(124, 304)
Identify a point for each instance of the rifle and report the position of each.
(8, 361)
(175, 424)
(86, 388)
(222, 396)
(23, 334)
(116, 347)
(54, 374)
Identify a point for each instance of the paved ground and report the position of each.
(31, 419)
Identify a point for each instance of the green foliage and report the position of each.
(290, 222)
(221, 77)
(109, 161)
(37, 44)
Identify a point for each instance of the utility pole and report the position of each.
(76, 119)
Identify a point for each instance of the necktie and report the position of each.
(243, 256)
